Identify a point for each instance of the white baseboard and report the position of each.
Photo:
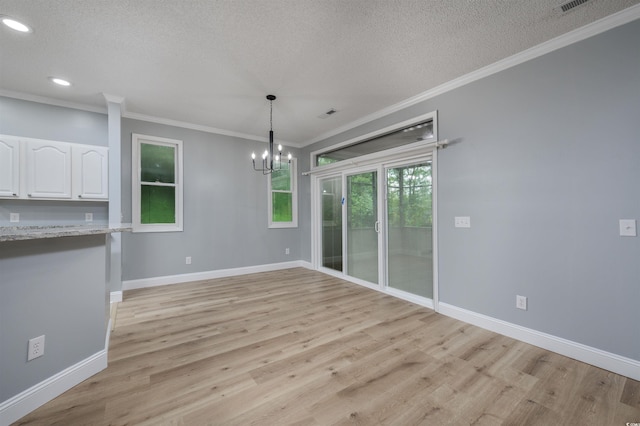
(25, 402)
(618, 364)
(116, 296)
(305, 264)
(209, 275)
(107, 338)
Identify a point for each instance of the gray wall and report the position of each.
(36, 120)
(40, 121)
(545, 162)
(53, 287)
(225, 209)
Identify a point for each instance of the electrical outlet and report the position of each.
(36, 348)
(14, 217)
(187, 260)
(88, 217)
(286, 251)
(521, 302)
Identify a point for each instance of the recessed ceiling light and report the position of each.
(15, 25)
(60, 81)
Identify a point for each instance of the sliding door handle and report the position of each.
(377, 226)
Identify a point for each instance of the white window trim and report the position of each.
(136, 139)
(294, 200)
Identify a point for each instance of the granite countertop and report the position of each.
(15, 233)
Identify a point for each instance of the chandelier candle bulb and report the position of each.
(253, 155)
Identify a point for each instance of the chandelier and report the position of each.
(270, 163)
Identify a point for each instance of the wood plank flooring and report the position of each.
(298, 347)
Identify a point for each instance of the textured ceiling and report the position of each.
(210, 63)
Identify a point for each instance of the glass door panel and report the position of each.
(409, 229)
(362, 226)
(331, 203)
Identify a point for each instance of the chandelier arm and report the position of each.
(264, 169)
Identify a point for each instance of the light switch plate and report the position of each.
(628, 228)
(14, 217)
(462, 222)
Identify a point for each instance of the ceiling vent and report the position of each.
(572, 4)
(328, 113)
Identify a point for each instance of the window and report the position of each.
(283, 197)
(157, 184)
(402, 135)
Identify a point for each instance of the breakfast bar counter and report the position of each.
(17, 233)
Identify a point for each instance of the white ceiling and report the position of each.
(210, 63)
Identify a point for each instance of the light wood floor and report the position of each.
(300, 347)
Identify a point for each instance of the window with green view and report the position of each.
(157, 184)
(283, 197)
(157, 180)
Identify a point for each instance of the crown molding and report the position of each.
(51, 101)
(136, 116)
(192, 126)
(604, 24)
(201, 128)
(113, 98)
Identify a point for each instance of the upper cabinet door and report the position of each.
(9, 167)
(90, 172)
(48, 169)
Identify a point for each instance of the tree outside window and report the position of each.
(409, 196)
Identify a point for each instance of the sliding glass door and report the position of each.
(409, 229)
(331, 234)
(377, 226)
(362, 226)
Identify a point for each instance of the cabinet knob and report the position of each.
(80, 196)
(29, 195)
(14, 194)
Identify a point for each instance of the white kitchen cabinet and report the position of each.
(9, 167)
(90, 173)
(48, 169)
